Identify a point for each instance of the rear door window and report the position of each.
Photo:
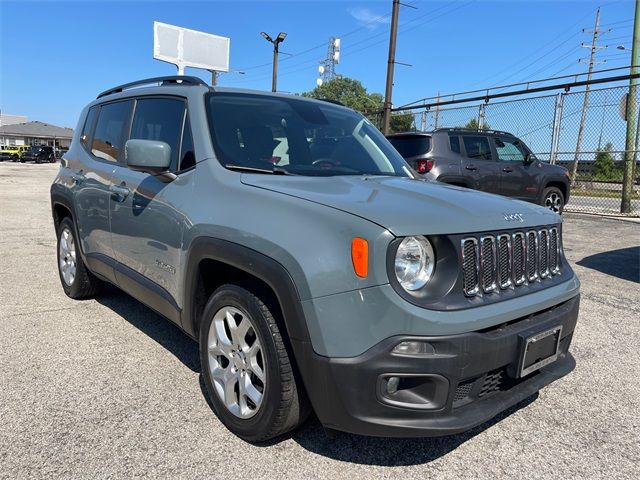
(108, 138)
(159, 119)
(411, 145)
(509, 149)
(477, 147)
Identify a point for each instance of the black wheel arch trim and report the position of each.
(254, 263)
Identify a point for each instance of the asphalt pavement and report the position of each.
(106, 388)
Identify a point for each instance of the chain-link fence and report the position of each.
(585, 135)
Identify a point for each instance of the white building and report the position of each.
(35, 133)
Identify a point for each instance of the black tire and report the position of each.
(84, 284)
(553, 199)
(52, 159)
(284, 405)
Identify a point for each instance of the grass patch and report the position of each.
(582, 192)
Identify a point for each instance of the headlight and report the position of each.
(414, 263)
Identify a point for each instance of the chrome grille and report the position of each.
(470, 266)
(543, 245)
(554, 251)
(532, 256)
(488, 263)
(519, 264)
(504, 260)
(492, 263)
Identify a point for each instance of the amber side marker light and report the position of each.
(360, 256)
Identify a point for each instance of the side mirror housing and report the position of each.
(150, 156)
(530, 158)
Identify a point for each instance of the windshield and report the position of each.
(296, 136)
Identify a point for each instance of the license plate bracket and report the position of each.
(539, 350)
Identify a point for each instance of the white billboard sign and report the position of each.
(190, 48)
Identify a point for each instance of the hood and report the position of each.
(406, 206)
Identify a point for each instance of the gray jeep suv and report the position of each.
(487, 160)
(316, 271)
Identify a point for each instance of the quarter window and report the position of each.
(509, 149)
(107, 139)
(159, 119)
(477, 147)
(88, 125)
(454, 142)
(187, 152)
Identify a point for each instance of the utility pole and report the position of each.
(214, 78)
(629, 149)
(585, 104)
(437, 122)
(386, 115)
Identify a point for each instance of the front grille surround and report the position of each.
(495, 263)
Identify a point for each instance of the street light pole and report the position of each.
(276, 43)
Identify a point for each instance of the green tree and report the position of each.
(473, 124)
(351, 93)
(401, 122)
(604, 168)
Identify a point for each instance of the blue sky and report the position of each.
(56, 56)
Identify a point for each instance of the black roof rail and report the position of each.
(474, 130)
(173, 79)
(335, 102)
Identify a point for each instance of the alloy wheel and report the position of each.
(236, 362)
(67, 257)
(553, 202)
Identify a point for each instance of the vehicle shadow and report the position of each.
(311, 436)
(388, 452)
(155, 326)
(623, 263)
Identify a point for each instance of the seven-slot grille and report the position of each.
(493, 263)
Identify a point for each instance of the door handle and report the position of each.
(471, 167)
(507, 169)
(119, 192)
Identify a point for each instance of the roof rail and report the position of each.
(173, 79)
(474, 130)
(335, 102)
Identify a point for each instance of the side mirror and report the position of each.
(530, 158)
(150, 156)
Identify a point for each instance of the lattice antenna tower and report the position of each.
(327, 67)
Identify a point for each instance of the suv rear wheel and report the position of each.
(246, 367)
(77, 281)
(553, 199)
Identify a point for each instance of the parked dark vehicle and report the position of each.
(38, 154)
(487, 160)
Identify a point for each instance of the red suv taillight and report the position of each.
(424, 166)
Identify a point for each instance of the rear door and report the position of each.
(147, 220)
(479, 165)
(517, 179)
(102, 143)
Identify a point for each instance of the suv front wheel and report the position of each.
(246, 368)
(553, 199)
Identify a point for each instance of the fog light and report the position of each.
(392, 385)
(414, 348)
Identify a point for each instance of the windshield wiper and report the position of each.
(244, 168)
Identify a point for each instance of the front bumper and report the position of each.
(469, 379)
